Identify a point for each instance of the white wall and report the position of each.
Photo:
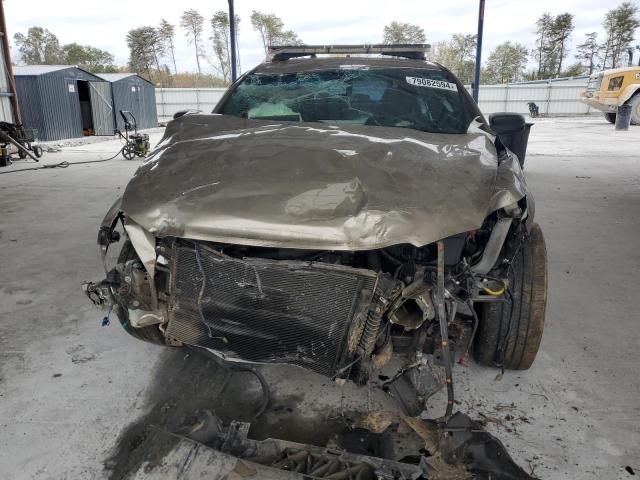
(552, 99)
(557, 98)
(171, 100)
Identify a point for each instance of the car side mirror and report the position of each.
(513, 132)
(181, 113)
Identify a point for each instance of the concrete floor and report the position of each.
(74, 395)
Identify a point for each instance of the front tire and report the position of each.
(611, 117)
(510, 332)
(635, 109)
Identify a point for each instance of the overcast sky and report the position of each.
(104, 24)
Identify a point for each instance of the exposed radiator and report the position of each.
(269, 311)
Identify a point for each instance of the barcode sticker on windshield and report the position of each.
(427, 82)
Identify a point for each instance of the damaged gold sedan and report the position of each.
(342, 214)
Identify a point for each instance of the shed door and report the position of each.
(101, 108)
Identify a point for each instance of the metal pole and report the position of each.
(232, 34)
(476, 77)
(9, 69)
(444, 328)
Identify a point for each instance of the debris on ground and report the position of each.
(461, 450)
(170, 437)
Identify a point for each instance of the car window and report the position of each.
(421, 99)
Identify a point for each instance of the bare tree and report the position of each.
(166, 35)
(222, 43)
(272, 32)
(193, 24)
(400, 32)
(159, 51)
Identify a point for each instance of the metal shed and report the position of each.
(133, 93)
(64, 101)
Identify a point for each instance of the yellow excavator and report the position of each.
(609, 89)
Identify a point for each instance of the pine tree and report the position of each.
(620, 25)
(589, 52)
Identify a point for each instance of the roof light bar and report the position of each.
(417, 51)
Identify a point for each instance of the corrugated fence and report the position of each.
(551, 98)
(171, 100)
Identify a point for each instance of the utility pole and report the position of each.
(232, 33)
(476, 77)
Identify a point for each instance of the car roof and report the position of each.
(327, 63)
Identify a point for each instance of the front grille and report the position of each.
(594, 83)
(269, 311)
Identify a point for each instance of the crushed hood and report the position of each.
(292, 185)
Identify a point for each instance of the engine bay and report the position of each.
(342, 314)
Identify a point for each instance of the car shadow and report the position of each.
(185, 383)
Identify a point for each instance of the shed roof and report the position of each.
(115, 77)
(30, 70)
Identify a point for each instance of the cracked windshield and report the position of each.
(420, 99)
